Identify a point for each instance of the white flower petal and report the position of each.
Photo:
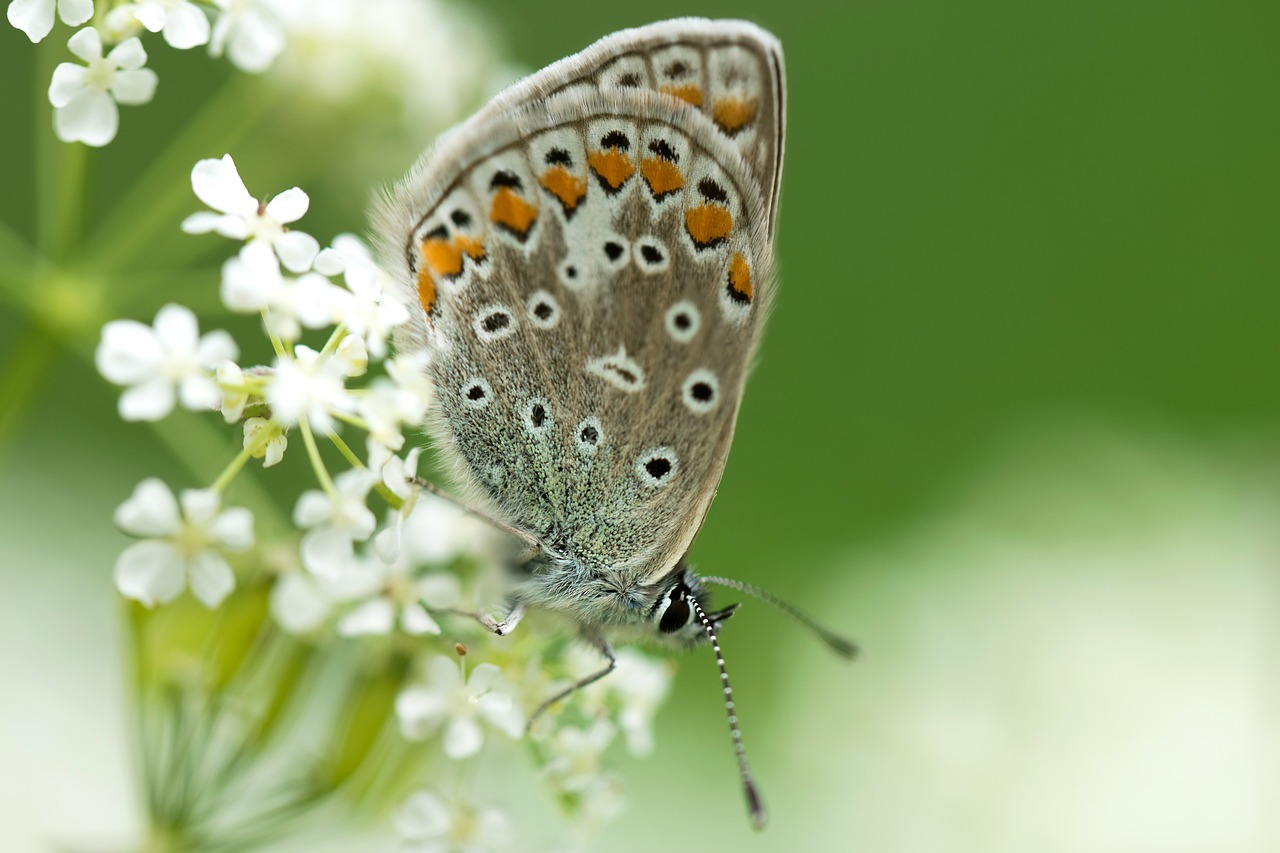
(419, 710)
(256, 42)
(186, 27)
(423, 816)
(326, 553)
(233, 528)
(298, 604)
(440, 590)
(462, 738)
(199, 393)
(150, 572)
(89, 117)
(289, 206)
(67, 82)
(483, 677)
(329, 261)
(211, 578)
(199, 506)
(202, 222)
(500, 711)
(416, 621)
(312, 508)
(218, 184)
(148, 401)
(297, 250)
(129, 352)
(150, 15)
(128, 55)
(376, 616)
(443, 673)
(33, 17)
(134, 87)
(75, 12)
(177, 328)
(152, 510)
(215, 348)
(86, 44)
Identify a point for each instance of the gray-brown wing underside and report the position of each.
(590, 286)
(730, 71)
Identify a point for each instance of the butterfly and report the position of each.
(589, 261)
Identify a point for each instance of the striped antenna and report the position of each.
(838, 644)
(754, 804)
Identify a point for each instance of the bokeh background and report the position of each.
(1015, 428)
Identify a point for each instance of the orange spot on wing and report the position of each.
(690, 93)
(740, 289)
(512, 212)
(473, 247)
(569, 189)
(708, 224)
(662, 175)
(613, 166)
(733, 114)
(443, 257)
(426, 290)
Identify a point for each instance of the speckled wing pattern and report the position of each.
(589, 265)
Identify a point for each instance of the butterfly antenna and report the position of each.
(838, 644)
(754, 803)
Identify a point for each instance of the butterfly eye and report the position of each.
(588, 436)
(537, 416)
(676, 616)
(544, 311)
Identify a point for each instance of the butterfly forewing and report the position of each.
(589, 275)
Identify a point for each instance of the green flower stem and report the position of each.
(313, 452)
(194, 442)
(59, 168)
(339, 332)
(389, 496)
(228, 474)
(17, 264)
(163, 192)
(28, 361)
(276, 344)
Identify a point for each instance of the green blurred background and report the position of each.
(1015, 428)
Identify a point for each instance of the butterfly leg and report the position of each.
(501, 627)
(606, 650)
(522, 535)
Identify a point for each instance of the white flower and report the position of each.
(298, 603)
(576, 754)
(395, 475)
(309, 385)
(35, 17)
(182, 547)
(641, 685)
(85, 97)
(437, 532)
(371, 307)
(248, 31)
(183, 23)
(273, 451)
(397, 596)
(334, 523)
(156, 360)
(252, 282)
(241, 217)
(446, 701)
(428, 825)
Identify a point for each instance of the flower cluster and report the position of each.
(361, 559)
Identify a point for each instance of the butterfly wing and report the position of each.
(590, 273)
(730, 71)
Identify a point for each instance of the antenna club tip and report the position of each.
(846, 649)
(759, 816)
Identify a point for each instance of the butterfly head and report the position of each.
(675, 616)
